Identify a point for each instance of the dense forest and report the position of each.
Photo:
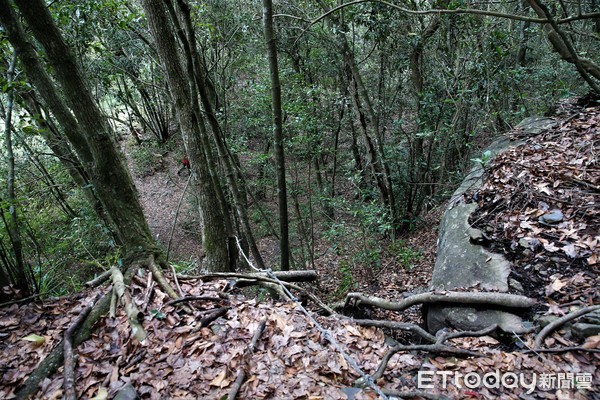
(352, 119)
(297, 129)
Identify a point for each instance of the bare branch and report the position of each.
(480, 298)
(560, 322)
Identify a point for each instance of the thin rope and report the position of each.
(367, 379)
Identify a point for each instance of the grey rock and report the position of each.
(516, 285)
(552, 217)
(582, 330)
(462, 263)
(127, 392)
(546, 319)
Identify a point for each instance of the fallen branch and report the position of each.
(121, 294)
(562, 350)
(23, 300)
(397, 326)
(219, 312)
(429, 348)
(437, 347)
(559, 322)
(415, 393)
(193, 298)
(97, 281)
(241, 376)
(261, 279)
(69, 374)
(55, 359)
(479, 298)
(286, 276)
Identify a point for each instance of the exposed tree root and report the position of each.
(415, 393)
(480, 298)
(437, 347)
(69, 384)
(241, 376)
(121, 295)
(56, 357)
(160, 278)
(397, 326)
(560, 322)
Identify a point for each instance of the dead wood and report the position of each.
(437, 347)
(241, 376)
(397, 326)
(23, 300)
(286, 276)
(563, 350)
(560, 322)
(415, 393)
(55, 359)
(478, 298)
(272, 285)
(194, 298)
(100, 279)
(121, 295)
(69, 374)
(219, 312)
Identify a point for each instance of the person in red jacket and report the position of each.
(185, 165)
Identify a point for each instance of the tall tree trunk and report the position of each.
(284, 246)
(21, 277)
(522, 49)
(89, 130)
(214, 235)
(233, 176)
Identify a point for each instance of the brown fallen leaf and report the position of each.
(221, 380)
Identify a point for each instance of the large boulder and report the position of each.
(462, 262)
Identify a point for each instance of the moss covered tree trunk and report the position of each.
(89, 130)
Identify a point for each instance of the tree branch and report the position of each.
(479, 298)
(559, 322)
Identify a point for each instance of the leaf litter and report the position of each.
(538, 206)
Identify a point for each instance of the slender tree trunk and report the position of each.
(61, 149)
(214, 235)
(522, 49)
(270, 41)
(232, 174)
(21, 277)
(89, 130)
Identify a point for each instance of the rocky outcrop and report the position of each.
(462, 262)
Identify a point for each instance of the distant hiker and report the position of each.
(185, 165)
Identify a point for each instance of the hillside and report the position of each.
(200, 352)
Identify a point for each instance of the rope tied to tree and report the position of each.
(367, 380)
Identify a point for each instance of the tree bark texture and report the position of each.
(89, 130)
(214, 235)
(270, 40)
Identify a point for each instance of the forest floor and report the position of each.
(185, 357)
